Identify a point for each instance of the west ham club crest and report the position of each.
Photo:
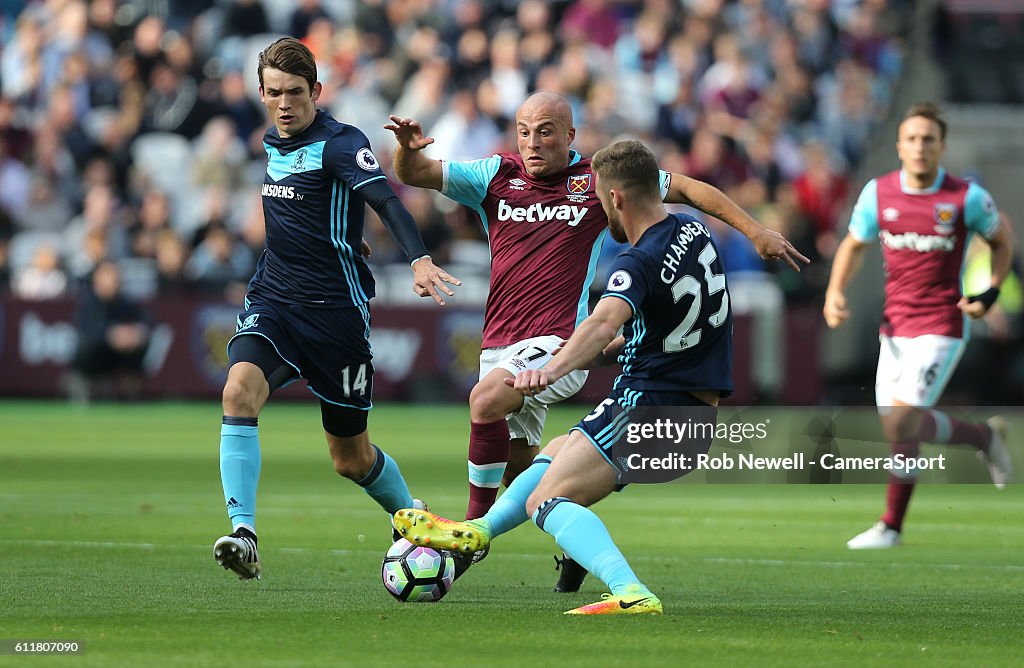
(945, 217)
(578, 184)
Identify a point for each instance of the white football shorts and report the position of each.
(915, 370)
(533, 353)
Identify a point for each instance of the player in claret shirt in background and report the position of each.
(306, 313)
(924, 219)
(545, 227)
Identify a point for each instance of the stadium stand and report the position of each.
(774, 101)
(743, 85)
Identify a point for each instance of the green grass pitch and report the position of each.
(108, 515)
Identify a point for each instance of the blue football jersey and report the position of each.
(680, 335)
(314, 215)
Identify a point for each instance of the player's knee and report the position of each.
(534, 501)
(489, 403)
(350, 463)
(348, 467)
(239, 400)
(539, 496)
(352, 457)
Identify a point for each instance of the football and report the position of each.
(417, 574)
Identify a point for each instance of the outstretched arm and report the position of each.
(847, 262)
(411, 166)
(770, 245)
(428, 279)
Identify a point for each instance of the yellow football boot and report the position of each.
(425, 528)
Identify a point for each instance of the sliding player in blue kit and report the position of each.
(668, 293)
(306, 313)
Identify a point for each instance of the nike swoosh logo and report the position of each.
(626, 606)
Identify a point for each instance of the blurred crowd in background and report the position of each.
(131, 130)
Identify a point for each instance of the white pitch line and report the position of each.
(83, 543)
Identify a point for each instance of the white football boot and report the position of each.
(878, 537)
(997, 458)
(237, 552)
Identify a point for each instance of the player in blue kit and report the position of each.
(668, 292)
(306, 313)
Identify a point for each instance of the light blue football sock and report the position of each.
(583, 536)
(240, 468)
(509, 511)
(385, 484)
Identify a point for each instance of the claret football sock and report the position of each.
(488, 457)
(385, 484)
(897, 500)
(901, 487)
(509, 511)
(240, 468)
(583, 536)
(940, 427)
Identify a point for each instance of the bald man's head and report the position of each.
(547, 102)
(544, 132)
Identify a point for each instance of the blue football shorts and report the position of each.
(630, 430)
(329, 347)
